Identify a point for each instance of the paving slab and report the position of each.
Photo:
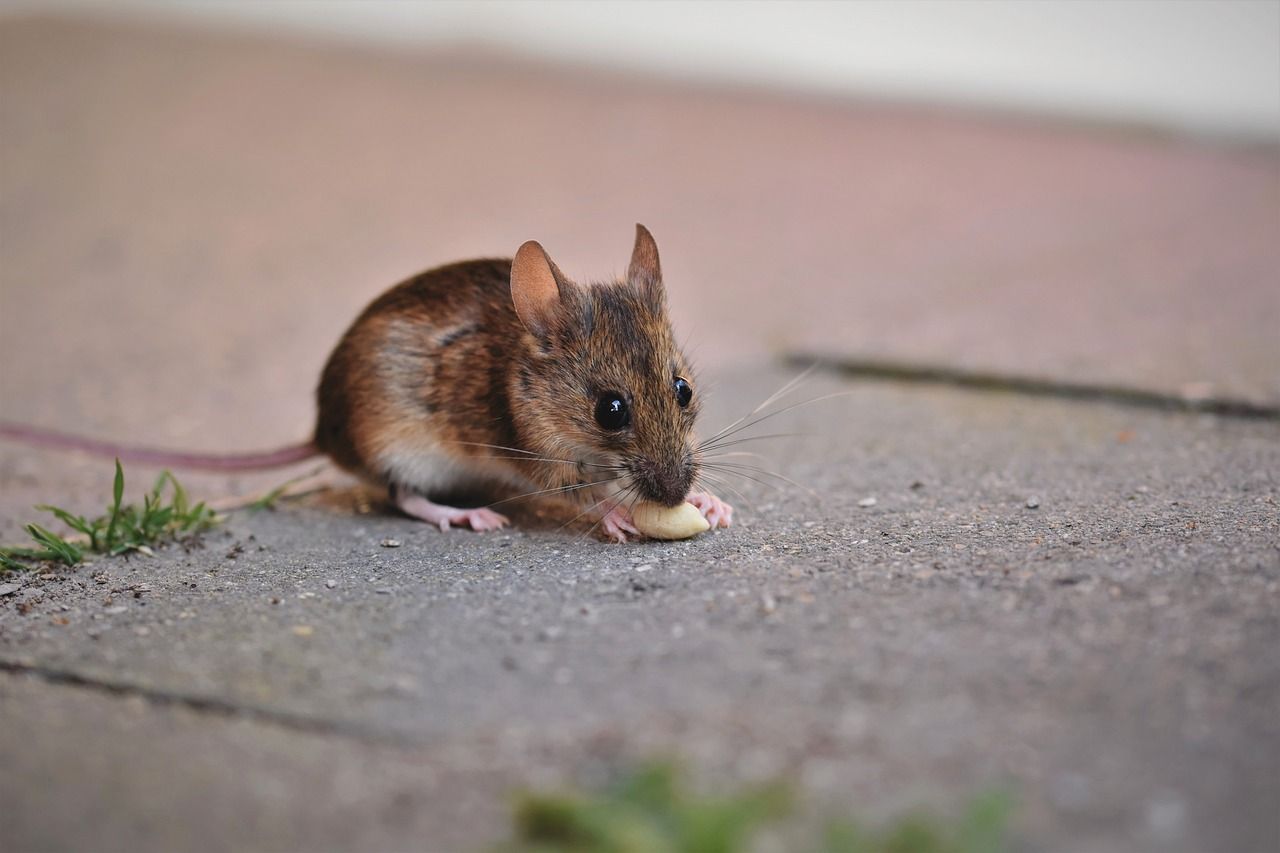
(188, 220)
(85, 770)
(1105, 653)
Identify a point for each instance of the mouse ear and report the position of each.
(645, 271)
(535, 287)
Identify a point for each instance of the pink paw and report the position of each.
(617, 525)
(715, 511)
(444, 517)
(479, 520)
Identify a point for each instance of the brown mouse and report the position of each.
(500, 373)
(508, 373)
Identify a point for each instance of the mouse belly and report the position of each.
(417, 476)
(433, 472)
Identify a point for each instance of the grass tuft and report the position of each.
(650, 811)
(647, 811)
(165, 514)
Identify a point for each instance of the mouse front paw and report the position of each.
(618, 526)
(715, 511)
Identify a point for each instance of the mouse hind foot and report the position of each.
(444, 517)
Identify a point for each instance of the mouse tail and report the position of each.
(255, 461)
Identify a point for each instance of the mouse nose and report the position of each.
(664, 484)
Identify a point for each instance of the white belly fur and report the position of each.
(429, 471)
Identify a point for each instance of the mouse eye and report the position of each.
(612, 411)
(684, 392)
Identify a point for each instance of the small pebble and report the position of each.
(9, 588)
(1033, 502)
(115, 611)
(645, 568)
(302, 630)
(384, 590)
(866, 502)
(330, 584)
(390, 543)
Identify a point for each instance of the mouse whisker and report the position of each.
(549, 461)
(529, 455)
(762, 482)
(598, 521)
(726, 434)
(722, 444)
(634, 491)
(731, 454)
(721, 483)
(732, 468)
(572, 487)
(781, 392)
(635, 499)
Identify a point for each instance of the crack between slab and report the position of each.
(979, 380)
(207, 705)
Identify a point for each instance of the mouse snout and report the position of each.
(663, 484)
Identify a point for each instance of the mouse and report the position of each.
(509, 374)
(505, 376)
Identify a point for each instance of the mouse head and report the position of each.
(602, 380)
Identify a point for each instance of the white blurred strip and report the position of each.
(1197, 65)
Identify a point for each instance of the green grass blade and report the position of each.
(61, 548)
(117, 491)
(268, 501)
(199, 517)
(180, 503)
(27, 553)
(76, 522)
(8, 564)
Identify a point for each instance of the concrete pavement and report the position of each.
(1074, 600)
(1105, 654)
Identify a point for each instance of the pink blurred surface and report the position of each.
(189, 220)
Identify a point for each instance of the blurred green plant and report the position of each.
(646, 811)
(272, 498)
(980, 828)
(124, 527)
(650, 811)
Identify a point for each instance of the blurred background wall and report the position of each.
(165, 165)
(1203, 66)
